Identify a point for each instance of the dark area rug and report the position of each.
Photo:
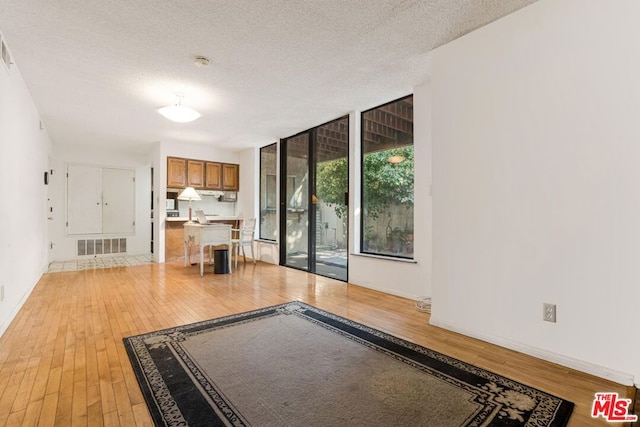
(297, 365)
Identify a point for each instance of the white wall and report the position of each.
(407, 279)
(65, 246)
(536, 184)
(24, 153)
(266, 251)
(249, 202)
(159, 198)
(248, 206)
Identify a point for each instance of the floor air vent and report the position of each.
(102, 246)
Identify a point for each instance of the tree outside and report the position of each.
(387, 198)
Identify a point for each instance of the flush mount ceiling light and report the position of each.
(201, 61)
(178, 112)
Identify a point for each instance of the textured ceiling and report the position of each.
(99, 69)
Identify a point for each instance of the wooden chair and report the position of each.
(245, 236)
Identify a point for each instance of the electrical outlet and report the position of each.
(2, 293)
(549, 312)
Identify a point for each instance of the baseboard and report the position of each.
(385, 290)
(570, 362)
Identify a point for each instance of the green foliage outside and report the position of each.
(384, 183)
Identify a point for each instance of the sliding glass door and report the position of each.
(313, 210)
(294, 185)
(331, 184)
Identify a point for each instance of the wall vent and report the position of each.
(102, 246)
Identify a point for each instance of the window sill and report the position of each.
(385, 258)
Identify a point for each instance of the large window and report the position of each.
(387, 179)
(268, 186)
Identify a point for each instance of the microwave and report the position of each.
(229, 196)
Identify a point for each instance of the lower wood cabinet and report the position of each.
(174, 242)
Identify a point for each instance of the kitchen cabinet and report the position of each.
(213, 176)
(174, 242)
(201, 174)
(176, 172)
(230, 177)
(195, 173)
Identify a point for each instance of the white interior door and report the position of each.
(84, 199)
(49, 213)
(118, 198)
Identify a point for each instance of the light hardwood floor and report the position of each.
(62, 361)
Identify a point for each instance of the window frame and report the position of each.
(361, 227)
(264, 196)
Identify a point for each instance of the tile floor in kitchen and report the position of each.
(103, 262)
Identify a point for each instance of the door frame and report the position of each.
(312, 210)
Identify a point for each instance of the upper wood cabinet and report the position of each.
(176, 172)
(230, 177)
(195, 173)
(213, 176)
(201, 174)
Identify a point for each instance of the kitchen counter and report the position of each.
(194, 219)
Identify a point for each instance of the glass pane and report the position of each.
(387, 179)
(297, 202)
(268, 186)
(331, 213)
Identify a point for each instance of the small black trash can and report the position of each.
(221, 261)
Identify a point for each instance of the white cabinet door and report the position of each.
(118, 198)
(100, 200)
(84, 199)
